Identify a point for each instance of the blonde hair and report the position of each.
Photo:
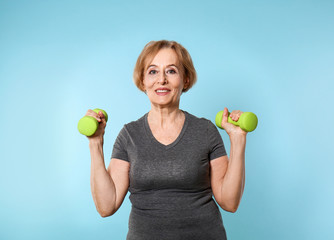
(151, 49)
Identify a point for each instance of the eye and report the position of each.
(152, 72)
(171, 71)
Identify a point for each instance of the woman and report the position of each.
(170, 161)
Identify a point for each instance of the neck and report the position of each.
(164, 117)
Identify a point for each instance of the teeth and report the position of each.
(162, 90)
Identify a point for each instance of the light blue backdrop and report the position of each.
(60, 58)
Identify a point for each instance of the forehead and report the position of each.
(165, 56)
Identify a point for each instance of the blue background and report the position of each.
(60, 58)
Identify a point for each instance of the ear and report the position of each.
(186, 84)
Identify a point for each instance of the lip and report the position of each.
(162, 93)
(163, 88)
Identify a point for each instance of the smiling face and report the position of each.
(163, 79)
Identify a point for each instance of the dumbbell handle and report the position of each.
(88, 124)
(247, 121)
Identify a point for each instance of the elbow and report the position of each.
(105, 214)
(105, 210)
(232, 208)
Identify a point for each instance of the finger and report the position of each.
(235, 114)
(239, 114)
(232, 115)
(225, 115)
(103, 122)
(90, 111)
(93, 114)
(102, 116)
(98, 117)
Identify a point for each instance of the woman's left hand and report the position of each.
(230, 128)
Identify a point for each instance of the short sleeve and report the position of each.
(119, 150)
(215, 142)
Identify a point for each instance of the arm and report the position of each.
(228, 175)
(108, 186)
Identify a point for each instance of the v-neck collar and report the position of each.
(154, 140)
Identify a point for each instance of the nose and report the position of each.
(162, 78)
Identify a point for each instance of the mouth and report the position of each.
(162, 91)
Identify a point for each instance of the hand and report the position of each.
(231, 129)
(98, 135)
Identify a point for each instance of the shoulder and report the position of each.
(135, 126)
(198, 122)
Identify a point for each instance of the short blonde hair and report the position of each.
(151, 49)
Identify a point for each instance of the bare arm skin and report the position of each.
(228, 175)
(108, 186)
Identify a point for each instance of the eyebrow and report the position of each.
(170, 65)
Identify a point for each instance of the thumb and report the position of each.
(103, 118)
(225, 115)
(101, 115)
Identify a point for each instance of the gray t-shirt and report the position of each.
(170, 185)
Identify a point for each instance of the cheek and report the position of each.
(180, 84)
(148, 82)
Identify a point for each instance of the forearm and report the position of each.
(102, 185)
(234, 180)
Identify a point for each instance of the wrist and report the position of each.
(96, 142)
(238, 138)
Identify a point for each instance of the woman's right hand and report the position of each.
(98, 135)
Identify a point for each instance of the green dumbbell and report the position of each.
(88, 125)
(247, 121)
